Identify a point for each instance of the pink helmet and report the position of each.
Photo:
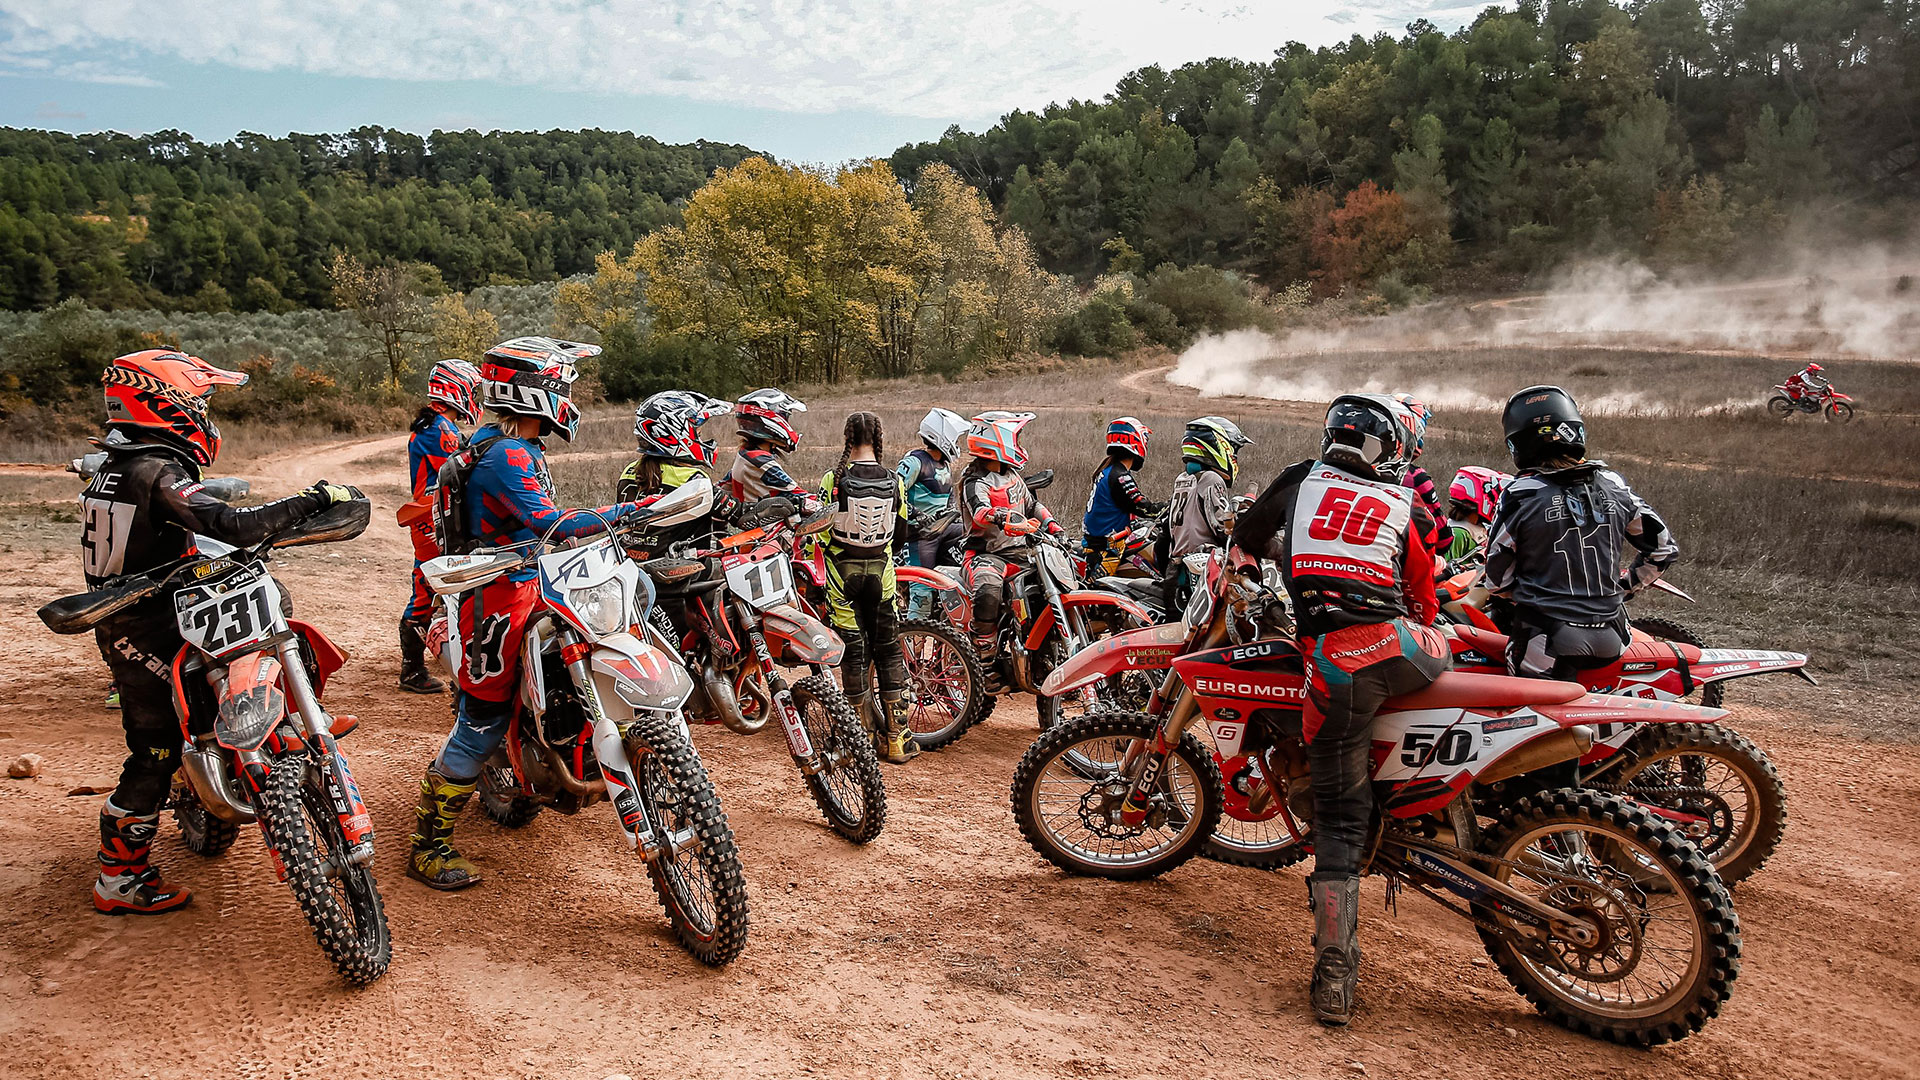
(996, 437)
(456, 384)
(1477, 490)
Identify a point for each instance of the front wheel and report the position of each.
(1659, 946)
(1070, 784)
(1713, 785)
(697, 874)
(946, 683)
(339, 899)
(1780, 406)
(1839, 412)
(848, 789)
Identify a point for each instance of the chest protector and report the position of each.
(867, 507)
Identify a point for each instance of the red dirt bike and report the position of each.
(745, 621)
(599, 717)
(260, 748)
(1596, 910)
(1048, 617)
(1835, 406)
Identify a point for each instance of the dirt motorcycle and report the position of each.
(745, 621)
(259, 748)
(599, 717)
(1829, 403)
(1597, 911)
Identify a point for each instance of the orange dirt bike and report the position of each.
(259, 746)
(1596, 910)
(599, 717)
(746, 624)
(1834, 406)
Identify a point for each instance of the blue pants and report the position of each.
(478, 727)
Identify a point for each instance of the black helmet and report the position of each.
(1543, 423)
(1366, 430)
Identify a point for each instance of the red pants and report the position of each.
(493, 620)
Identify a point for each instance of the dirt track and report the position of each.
(946, 948)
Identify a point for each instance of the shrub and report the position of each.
(632, 366)
(1100, 327)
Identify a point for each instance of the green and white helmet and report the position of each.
(1214, 442)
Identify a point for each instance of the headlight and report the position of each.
(602, 609)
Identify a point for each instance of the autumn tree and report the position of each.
(1360, 240)
(392, 303)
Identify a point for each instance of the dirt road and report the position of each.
(946, 948)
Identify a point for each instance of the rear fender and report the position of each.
(1718, 665)
(1083, 598)
(802, 637)
(643, 675)
(327, 656)
(1150, 648)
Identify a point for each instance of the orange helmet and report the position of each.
(163, 394)
(996, 437)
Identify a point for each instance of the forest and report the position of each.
(1226, 193)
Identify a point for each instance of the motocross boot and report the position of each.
(414, 676)
(988, 647)
(433, 860)
(897, 744)
(1336, 947)
(127, 885)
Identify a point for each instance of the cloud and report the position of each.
(51, 110)
(924, 58)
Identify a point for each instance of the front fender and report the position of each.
(1043, 624)
(920, 575)
(642, 675)
(1150, 648)
(327, 656)
(802, 637)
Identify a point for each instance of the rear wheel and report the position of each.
(946, 684)
(1714, 786)
(1660, 946)
(1780, 407)
(1839, 412)
(500, 798)
(1070, 784)
(203, 833)
(340, 901)
(697, 875)
(1712, 694)
(849, 790)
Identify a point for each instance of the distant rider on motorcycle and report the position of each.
(1361, 581)
(1116, 498)
(927, 472)
(453, 398)
(1001, 513)
(1553, 559)
(1808, 380)
(140, 511)
(869, 524)
(527, 383)
(1200, 513)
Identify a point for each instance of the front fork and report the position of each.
(617, 769)
(798, 744)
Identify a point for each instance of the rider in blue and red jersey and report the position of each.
(453, 397)
(508, 499)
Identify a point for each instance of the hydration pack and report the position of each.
(867, 502)
(450, 533)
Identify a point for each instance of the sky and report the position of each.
(807, 80)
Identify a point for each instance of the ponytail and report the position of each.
(862, 429)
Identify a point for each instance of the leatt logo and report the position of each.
(1244, 689)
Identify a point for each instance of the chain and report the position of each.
(1469, 857)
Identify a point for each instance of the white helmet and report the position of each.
(943, 429)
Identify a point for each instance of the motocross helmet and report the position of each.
(1214, 442)
(767, 415)
(1129, 435)
(996, 437)
(1543, 423)
(1814, 369)
(1421, 414)
(160, 395)
(533, 376)
(1368, 430)
(456, 384)
(942, 430)
(667, 426)
(1476, 490)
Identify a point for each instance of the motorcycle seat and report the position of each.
(1485, 641)
(1467, 690)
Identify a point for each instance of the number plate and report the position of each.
(764, 582)
(228, 616)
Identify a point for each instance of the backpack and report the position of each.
(450, 532)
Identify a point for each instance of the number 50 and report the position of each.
(1349, 516)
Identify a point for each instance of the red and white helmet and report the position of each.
(767, 415)
(1477, 491)
(533, 376)
(1128, 433)
(162, 395)
(456, 384)
(996, 437)
(1814, 369)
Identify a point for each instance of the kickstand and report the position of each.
(1393, 897)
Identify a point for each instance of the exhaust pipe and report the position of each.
(726, 703)
(1567, 744)
(206, 771)
(549, 768)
